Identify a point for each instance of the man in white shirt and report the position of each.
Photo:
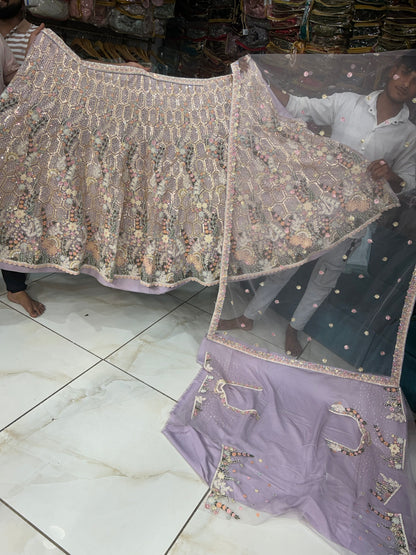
(378, 127)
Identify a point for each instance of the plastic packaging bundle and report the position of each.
(50, 9)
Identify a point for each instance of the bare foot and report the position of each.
(292, 345)
(32, 307)
(235, 323)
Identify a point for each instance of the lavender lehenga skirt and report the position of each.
(147, 182)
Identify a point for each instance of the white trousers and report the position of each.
(324, 277)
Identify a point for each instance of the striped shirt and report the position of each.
(18, 38)
(8, 64)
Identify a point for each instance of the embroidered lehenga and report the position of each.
(147, 182)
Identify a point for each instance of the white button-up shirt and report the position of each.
(353, 120)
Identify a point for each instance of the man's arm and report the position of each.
(379, 169)
(282, 96)
(401, 174)
(10, 66)
(33, 36)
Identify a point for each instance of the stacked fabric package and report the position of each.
(399, 28)
(219, 50)
(141, 18)
(276, 23)
(367, 20)
(201, 40)
(112, 31)
(280, 19)
(286, 18)
(326, 25)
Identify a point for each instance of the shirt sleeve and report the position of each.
(9, 63)
(405, 164)
(321, 110)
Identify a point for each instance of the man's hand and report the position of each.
(33, 36)
(243, 64)
(379, 169)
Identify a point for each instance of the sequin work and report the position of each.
(125, 174)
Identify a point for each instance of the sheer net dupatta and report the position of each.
(298, 405)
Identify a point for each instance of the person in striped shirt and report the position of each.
(15, 28)
(16, 31)
(8, 65)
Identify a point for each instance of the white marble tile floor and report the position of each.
(85, 391)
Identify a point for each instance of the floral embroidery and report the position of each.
(385, 488)
(219, 390)
(7, 100)
(169, 170)
(338, 408)
(221, 490)
(157, 154)
(395, 404)
(394, 522)
(397, 449)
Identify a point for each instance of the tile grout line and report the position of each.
(51, 395)
(36, 321)
(140, 381)
(100, 359)
(34, 526)
(182, 303)
(186, 522)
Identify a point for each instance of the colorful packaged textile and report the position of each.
(50, 9)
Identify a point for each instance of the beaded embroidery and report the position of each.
(395, 404)
(338, 408)
(147, 196)
(397, 449)
(385, 488)
(394, 522)
(221, 490)
(219, 390)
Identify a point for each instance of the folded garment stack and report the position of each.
(366, 24)
(399, 28)
(326, 25)
(140, 18)
(143, 19)
(286, 18)
(201, 42)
